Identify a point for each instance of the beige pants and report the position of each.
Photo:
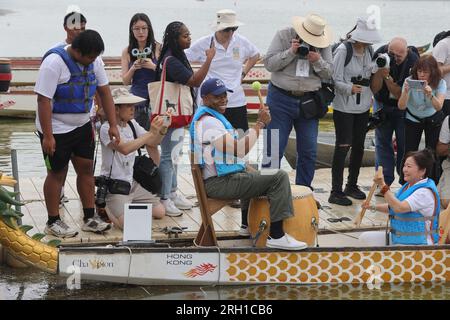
(115, 202)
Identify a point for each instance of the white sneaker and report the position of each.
(171, 209)
(286, 242)
(96, 225)
(60, 229)
(243, 231)
(180, 201)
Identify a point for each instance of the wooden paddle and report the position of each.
(444, 223)
(360, 216)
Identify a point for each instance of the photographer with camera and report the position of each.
(296, 78)
(116, 185)
(422, 97)
(394, 62)
(351, 109)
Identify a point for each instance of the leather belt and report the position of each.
(293, 93)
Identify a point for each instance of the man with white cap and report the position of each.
(118, 159)
(232, 51)
(299, 59)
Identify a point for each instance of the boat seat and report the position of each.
(208, 206)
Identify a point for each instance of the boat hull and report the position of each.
(237, 266)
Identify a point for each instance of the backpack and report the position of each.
(349, 48)
(441, 35)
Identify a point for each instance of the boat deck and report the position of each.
(226, 221)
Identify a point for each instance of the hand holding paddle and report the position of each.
(360, 216)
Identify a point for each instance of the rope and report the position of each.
(129, 263)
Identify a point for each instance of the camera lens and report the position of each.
(303, 50)
(381, 62)
(102, 191)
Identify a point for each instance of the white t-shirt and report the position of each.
(208, 130)
(442, 54)
(422, 201)
(444, 135)
(122, 167)
(226, 65)
(54, 71)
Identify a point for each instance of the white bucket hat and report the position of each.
(313, 29)
(364, 33)
(123, 96)
(225, 19)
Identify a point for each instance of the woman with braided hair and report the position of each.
(176, 39)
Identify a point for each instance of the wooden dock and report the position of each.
(226, 222)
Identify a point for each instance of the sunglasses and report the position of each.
(230, 29)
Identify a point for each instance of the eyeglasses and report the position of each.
(143, 29)
(230, 29)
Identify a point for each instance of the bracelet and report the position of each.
(163, 132)
(385, 189)
(262, 123)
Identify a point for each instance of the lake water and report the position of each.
(28, 28)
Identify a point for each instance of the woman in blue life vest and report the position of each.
(414, 209)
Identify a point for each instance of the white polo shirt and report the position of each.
(54, 71)
(226, 65)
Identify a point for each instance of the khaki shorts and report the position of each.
(115, 202)
(444, 182)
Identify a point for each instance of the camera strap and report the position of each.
(134, 135)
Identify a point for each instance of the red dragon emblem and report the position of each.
(200, 270)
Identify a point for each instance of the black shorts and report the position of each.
(79, 142)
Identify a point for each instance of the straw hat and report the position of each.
(313, 29)
(364, 33)
(225, 19)
(123, 96)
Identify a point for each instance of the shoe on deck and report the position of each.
(286, 242)
(339, 198)
(243, 231)
(354, 192)
(60, 229)
(96, 225)
(171, 209)
(180, 201)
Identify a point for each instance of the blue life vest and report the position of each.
(76, 95)
(409, 228)
(221, 161)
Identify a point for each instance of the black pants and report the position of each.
(350, 132)
(238, 118)
(446, 107)
(413, 135)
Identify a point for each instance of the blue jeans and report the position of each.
(171, 148)
(384, 150)
(285, 113)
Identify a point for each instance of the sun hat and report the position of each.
(214, 86)
(225, 19)
(365, 33)
(313, 29)
(123, 96)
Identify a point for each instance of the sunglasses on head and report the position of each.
(230, 29)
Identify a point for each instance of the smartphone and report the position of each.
(211, 44)
(416, 84)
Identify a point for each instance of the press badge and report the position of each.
(302, 69)
(236, 53)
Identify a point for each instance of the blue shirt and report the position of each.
(421, 106)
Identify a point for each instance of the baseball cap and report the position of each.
(214, 86)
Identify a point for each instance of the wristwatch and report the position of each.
(388, 78)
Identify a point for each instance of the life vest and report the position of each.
(76, 95)
(225, 164)
(410, 227)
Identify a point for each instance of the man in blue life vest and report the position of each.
(67, 81)
(220, 153)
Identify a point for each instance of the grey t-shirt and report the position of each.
(442, 54)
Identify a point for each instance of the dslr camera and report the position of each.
(360, 81)
(383, 60)
(102, 183)
(304, 49)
